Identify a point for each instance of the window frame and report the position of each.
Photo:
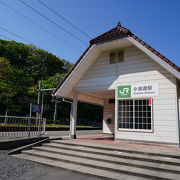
(135, 130)
(116, 56)
(112, 61)
(122, 56)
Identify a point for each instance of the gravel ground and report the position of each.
(12, 168)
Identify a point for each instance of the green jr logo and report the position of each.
(124, 91)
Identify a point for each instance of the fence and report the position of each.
(14, 126)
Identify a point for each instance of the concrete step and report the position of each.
(129, 149)
(116, 153)
(127, 162)
(112, 167)
(79, 168)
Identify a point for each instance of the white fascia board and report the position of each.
(156, 58)
(74, 70)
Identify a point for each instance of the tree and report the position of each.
(22, 67)
(6, 91)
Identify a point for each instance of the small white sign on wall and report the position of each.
(144, 90)
(109, 115)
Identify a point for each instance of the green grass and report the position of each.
(47, 125)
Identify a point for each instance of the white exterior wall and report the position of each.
(138, 68)
(178, 101)
(108, 113)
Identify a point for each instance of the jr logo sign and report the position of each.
(140, 90)
(124, 91)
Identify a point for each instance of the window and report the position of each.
(135, 114)
(120, 56)
(116, 57)
(112, 58)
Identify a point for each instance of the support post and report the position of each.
(73, 117)
(5, 119)
(55, 111)
(42, 105)
(39, 108)
(39, 99)
(29, 124)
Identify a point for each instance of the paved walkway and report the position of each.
(53, 134)
(109, 140)
(66, 133)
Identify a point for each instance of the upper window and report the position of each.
(135, 114)
(112, 58)
(120, 56)
(116, 57)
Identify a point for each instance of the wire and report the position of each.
(64, 19)
(39, 26)
(15, 35)
(52, 22)
(20, 37)
(5, 37)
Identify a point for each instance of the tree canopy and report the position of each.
(22, 66)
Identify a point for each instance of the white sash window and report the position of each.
(135, 114)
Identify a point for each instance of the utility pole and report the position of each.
(39, 107)
(29, 124)
(42, 105)
(39, 98)
(55, 111)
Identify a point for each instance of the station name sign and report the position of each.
(140, 90)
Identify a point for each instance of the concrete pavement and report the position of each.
(66, 133)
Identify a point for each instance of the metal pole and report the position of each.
(5, 119)
(42, 101)
(39, 98)
(44, 126)
(29, 126)
(39, 111)
(55, 112)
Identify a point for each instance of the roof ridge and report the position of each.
(115, 32)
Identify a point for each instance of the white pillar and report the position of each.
(73, 117)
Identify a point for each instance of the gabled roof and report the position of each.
(113, 34)
(120, 31)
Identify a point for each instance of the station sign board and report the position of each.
(140, 90)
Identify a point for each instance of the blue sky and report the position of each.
(155, 21)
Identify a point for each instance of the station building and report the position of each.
(137, 86)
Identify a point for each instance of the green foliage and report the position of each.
(21, 68)
(6, 91)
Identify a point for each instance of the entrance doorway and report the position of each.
(108, 109)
